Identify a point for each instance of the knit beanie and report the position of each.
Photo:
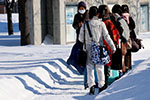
(81, 4)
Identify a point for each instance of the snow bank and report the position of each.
(133, 86)
(33, 71)
(48, 40)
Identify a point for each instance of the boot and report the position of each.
(105, 85)
(92, 89)
(101, 89)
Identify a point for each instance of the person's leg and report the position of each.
(100, 76)
(85, 78)
(128, 60)
(90, 74)
(124, 51)
(96, 80)
(130, 67)
(106, 77)
(107, 74)
(123, 64)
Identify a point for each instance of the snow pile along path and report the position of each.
(49, 78)
(133, 86)
(32, 71)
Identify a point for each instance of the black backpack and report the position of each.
(116, 22)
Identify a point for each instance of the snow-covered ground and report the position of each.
(41, 73)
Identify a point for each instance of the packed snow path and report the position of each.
(37, 70)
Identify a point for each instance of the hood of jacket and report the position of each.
(126, 17)
(95, 21)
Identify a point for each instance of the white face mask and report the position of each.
(82, 11)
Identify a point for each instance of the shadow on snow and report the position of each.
(54, 76)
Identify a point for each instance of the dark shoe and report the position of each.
(117, 78)
(121, 74)
(101, 89)
(105, 86)
(92, 90)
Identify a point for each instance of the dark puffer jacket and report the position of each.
(132, 27)
(78, 19)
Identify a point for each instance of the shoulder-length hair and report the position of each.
(104, 11)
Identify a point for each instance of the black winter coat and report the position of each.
(77, 19)
(132, 27)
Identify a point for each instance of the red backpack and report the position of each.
(114, 34)
(112, 30)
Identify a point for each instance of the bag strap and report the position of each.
(84, 44)
(90, 33)
(88, 27)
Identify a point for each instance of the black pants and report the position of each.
(107, 74)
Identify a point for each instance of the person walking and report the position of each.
(114, 34)
(131, 24)
(124, 32)
(98, 30)
(79, 19)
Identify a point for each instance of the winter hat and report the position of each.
(81, 4)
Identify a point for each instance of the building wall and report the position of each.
(44, 18)
(59, 21)
(88, 2)
(54, 20)
(47, 17)
(147, 3)
(30, 20)
(35, 25)
(2, 9)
